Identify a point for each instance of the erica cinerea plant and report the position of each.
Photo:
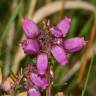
(45, 44)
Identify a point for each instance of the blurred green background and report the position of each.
(78, 77)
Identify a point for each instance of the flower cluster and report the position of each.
(42, 44)
(34, 82)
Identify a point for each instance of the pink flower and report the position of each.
(30, 46)
(33, 92)
(42, 63)
(39, 80)
(50, 42)
(74, 44)
(31, 30)
(64, 25)
(59, 54)
(71, 45)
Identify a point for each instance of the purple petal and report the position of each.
(33, 92)
(31, 30)
(74, 44)
(64, 25)
(39, 81)
(30, 46)
(42, 63)
(59, 54)
(56, 32)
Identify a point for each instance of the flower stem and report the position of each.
(48, 90)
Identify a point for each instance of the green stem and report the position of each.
(87, 78)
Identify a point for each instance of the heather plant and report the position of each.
(44, 45)
(47, 47)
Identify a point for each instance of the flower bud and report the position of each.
(59, 54)
(39, 80)
(74, 44)
(31, 30)
(64, 25)
(33, 92)
(42, 63)
(30, 46)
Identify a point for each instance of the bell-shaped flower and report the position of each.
(59, 54)
(30, 46)
(42, 63)
(33, 92)
(64, 26)
(31, 30)
(74, 44)
(38, 80)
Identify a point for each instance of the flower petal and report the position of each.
(39, 81)
(30, 46)
(33, 92)
(59, 54)
(74, 44)
(42, 63)
(31, 30)
(56, 32)
(64, 25)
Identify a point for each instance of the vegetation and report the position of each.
(78, 76)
